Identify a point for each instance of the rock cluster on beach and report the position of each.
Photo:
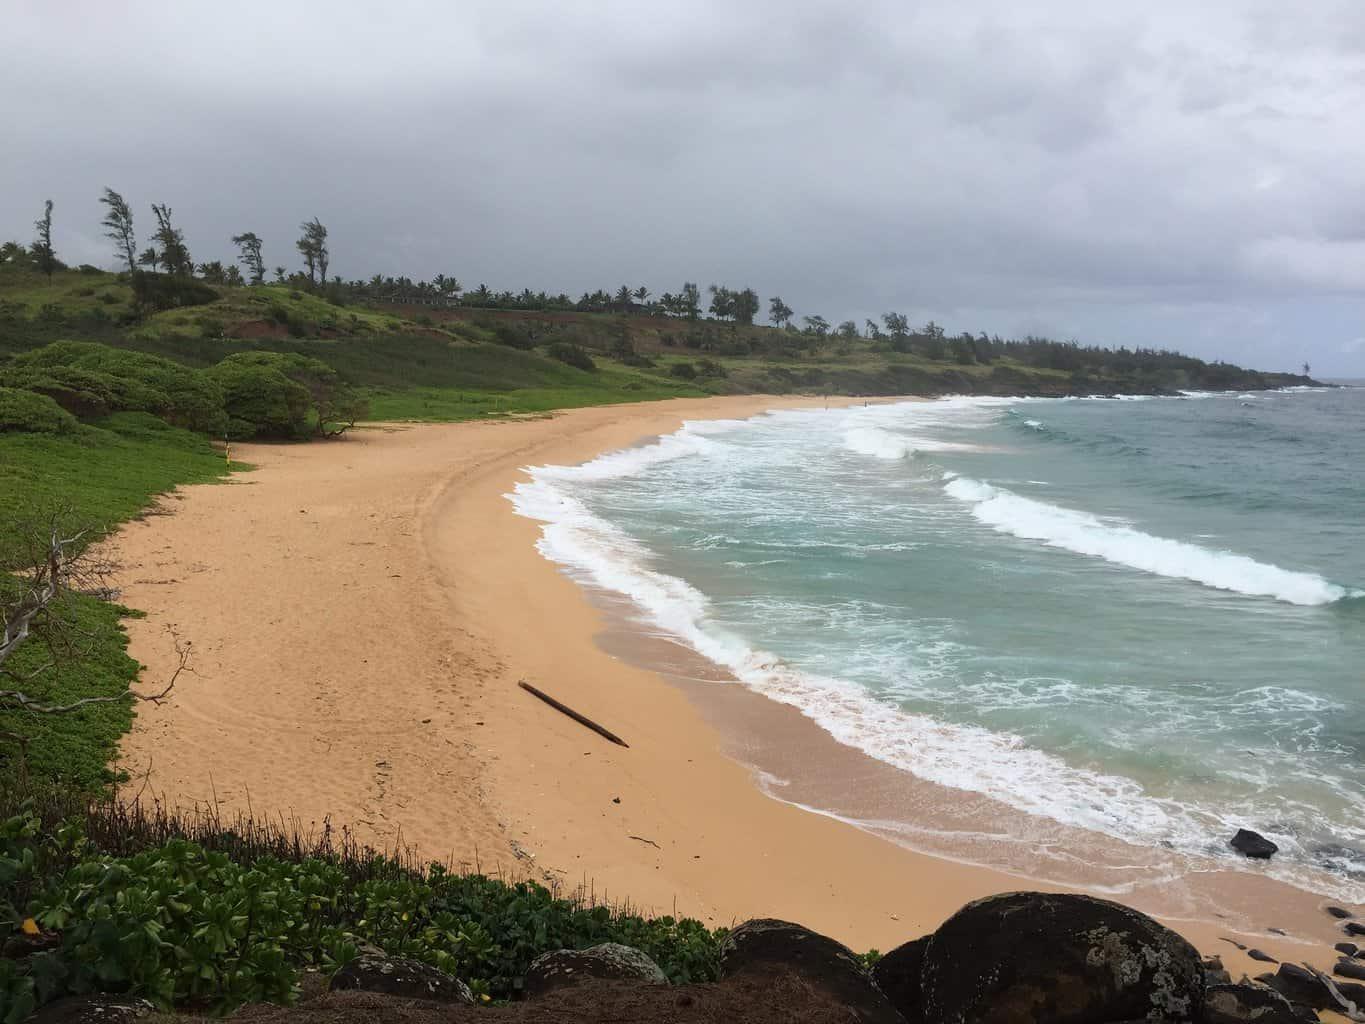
(1014, 958)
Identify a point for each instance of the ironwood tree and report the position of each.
(119, 221)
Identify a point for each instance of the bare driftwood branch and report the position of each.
(642, 839)
(580, 719)
(21, 700)
(58, 564)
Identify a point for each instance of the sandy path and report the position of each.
(361, 613)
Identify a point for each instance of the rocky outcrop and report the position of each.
(763, 946)
(1248, 1004)
(1252, 844)
(399, 976)
(610, 960)
(897, 974)
(1057, 959)
(1214, 972)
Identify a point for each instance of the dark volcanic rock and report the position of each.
(1243, 1004)
(764, 945)
(1057, 959)
(1347, 948)
(399, 976)
(1352, 969)
(1214, 972)
(1298, 986)
(1265, 958)
(897, 975)
(610, 960)
(1353, 928)
(1340, 913)
(1252, 844)
(95, 1008)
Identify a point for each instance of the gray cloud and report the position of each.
(1159, 173)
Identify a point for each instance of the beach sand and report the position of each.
(361, 612)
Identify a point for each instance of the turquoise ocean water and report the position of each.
(1140, 617)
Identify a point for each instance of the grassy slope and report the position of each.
(96, 478)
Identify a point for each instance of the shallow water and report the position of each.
(1143, 618)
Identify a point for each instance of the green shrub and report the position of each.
(89, 379)
(683, 371)
(170, 291)
(260, 400)
(571, 355)
(285, 395)
(33, 413)
(183, 924)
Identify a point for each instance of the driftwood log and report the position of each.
(580, 719)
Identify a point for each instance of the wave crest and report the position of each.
(1086, 534)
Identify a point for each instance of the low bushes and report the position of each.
(33, 413)
(169, 291)
(570, 355)
(248, 394)
(92, 380)
(182, 922)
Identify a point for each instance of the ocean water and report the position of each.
(1140, 617)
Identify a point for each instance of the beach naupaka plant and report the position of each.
(49, 567)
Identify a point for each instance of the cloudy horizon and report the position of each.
(1163, 174)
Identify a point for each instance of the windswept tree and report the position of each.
(642, 295)
(44, 256)
(848, 330)
(312, 246)
(722, 301)
(149, 257)
(447, 285)
(873, 331)
(816, 325)
(174, 254)
(249, 246)
(691, 300)
(624, 297)
(119, 221)
(745, 306)
(779, 312)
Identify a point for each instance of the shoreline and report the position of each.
(395, 548)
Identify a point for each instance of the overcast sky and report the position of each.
(1169, 172)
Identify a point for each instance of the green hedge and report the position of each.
(33, 413)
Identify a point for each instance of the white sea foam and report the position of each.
(1086, 534)
(1034, 424)
(997, 764)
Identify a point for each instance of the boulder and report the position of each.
(1353, 969)
(1248, 1004)
(1347, 948)
(1049, 958)
(1301, 986)
(399, 976)
(1214, 972)
(897, 975)
(95, 1008)
(1340, 913)
(1263, 957)
(1353, 928)
(1252, 844)
(610, 960)
(764, 945)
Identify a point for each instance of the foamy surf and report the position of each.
(995, 764)
(1086, 534)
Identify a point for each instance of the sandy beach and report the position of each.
(361, 612)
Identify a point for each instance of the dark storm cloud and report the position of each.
(1155, 173)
